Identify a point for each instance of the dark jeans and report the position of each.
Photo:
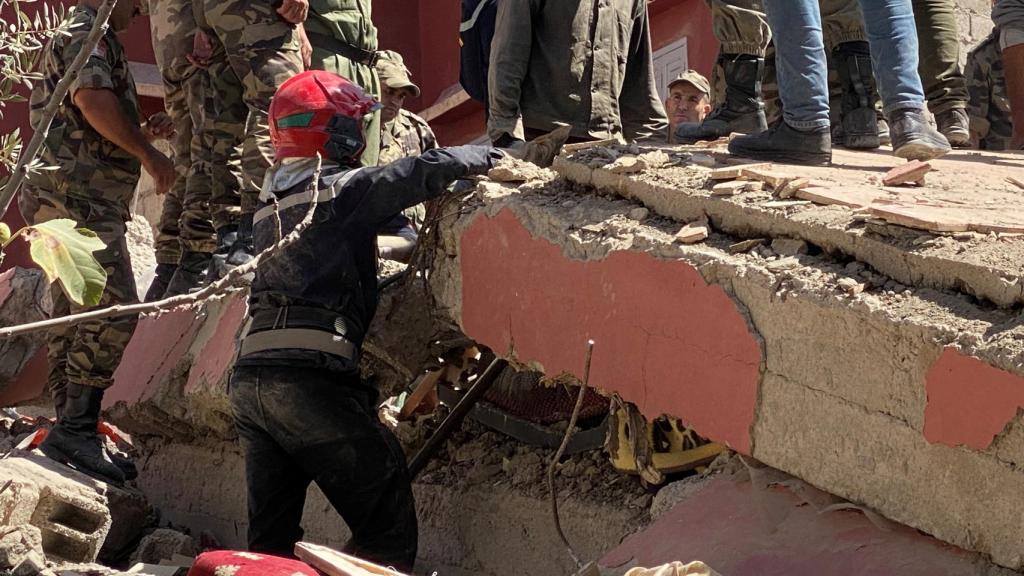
(298, 425)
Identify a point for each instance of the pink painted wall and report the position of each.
(665, 340)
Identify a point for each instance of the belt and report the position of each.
(299, 327)
(353, 53)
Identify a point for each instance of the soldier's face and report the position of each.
(123, 13)
(686, 103)
(391, 101)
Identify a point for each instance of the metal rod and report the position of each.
(455, 417)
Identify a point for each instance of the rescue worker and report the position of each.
(989, 106)
(173, 28)
(689, 100)
(302, 412)
(97, 145)
(344, 42)
(584, 63)
(403, 134)
(255, 46)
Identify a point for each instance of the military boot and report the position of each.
(74, 441)
(857, 105)
(783, 143)
(955, 126)
(743, 109)
(227, 236)
(913, 138)
(190, 274)
(242, 251)
(161, 279)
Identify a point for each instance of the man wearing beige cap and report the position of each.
(689, 100)
(403, 134)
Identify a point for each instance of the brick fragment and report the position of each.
(911, 172)
(733, 172)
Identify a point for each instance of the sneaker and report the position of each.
(913, 138)
(955, 126)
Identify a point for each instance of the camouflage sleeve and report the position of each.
(97, 70)
(427, 139)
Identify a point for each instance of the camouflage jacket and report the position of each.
(88, 164)
(989, 106)
(406, 135)
(588, 64)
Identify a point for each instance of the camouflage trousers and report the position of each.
(88, 353)
(185, 221)
(254, 53)
(741, 28)
(366, 78)
(939, 47)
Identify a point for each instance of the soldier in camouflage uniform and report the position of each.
(97, 145)
(403, 135)
(255, 48)
(344, 41)
(744, 76)
(185, 228)
(989, 106)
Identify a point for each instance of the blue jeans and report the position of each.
(803, 72)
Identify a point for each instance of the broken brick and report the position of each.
(912, 172)
(773, 178)
(733, 172)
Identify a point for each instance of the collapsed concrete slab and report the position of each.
(905, 401)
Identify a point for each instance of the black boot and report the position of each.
(74, 441)
(857, 106)
(743, 109)
(913, 138)
(161, 279)
(955, 126)
(227, 236)
(190, 273)
(783, 143)
(242, 251)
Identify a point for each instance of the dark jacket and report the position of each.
(324, 286)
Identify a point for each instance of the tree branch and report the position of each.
(236, 276)
(99, 28)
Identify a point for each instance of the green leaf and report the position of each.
(5, 233)
(65, 254)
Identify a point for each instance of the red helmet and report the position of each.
(318, 112)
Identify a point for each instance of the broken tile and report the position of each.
(729, 188)
(785, 203)
(733, 172)
(692, 233)
(790, 188)
(773, 178)
(912, 172)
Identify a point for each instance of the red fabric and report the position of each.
(233, 563)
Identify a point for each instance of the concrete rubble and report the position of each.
(875, 364)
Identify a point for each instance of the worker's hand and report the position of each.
(293, 11)
(305, 47)
(543, 149)
(158, 127)
(202, 50)
(161, 169)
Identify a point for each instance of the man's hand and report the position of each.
(305, 47)
(543, 149)
(202, 50)
(158, 127)
(161, 169)
(293, 11)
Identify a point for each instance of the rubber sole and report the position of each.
(920, 151)
(58, 455)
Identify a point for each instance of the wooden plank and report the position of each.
(451, 98)
(426, 383)
(334, 563)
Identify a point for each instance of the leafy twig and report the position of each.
(236, 276)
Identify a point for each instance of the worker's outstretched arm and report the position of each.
(374, 195)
